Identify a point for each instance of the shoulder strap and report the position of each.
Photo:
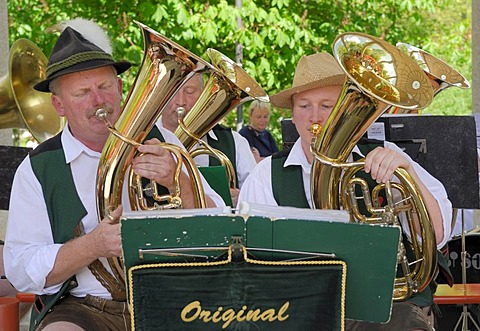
(287, 182)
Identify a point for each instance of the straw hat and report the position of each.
(316, 70)
(74, 52)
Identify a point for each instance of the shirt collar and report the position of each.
(73, 148)
(298, 157)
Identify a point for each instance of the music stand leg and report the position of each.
(463, 320)
(465, 316)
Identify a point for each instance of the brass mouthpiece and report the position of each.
(315, 129)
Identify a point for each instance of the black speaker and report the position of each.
(11, 158)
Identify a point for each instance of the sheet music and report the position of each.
(277, 212)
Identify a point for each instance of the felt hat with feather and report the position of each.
(82, 45)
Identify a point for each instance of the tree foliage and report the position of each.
(274, 34)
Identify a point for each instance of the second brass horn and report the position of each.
(20, 105)
(227, 87)
(379, 75)
(437, 70)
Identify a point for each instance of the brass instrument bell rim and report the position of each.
(215, 55)
(24, 46)
(411, 48)
(425, 88)
(167, 41)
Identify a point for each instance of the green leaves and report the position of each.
(274, 34)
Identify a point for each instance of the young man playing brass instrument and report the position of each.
(317, 84)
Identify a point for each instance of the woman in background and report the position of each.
(260, 139)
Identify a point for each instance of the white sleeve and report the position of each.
(244, 158)
(172, 138)
(29, 253)
(257, 188)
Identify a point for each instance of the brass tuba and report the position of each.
(379, 76)
(165, 67)
(227, 87)
(20, 105)
(436, 69)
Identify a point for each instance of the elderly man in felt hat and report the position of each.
(317, 85)
(55, 245)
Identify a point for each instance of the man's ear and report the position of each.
(57, 104)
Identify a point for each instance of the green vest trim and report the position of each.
(287, 182)
(64, 207)
(224, 143)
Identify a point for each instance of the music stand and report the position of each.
(465, 316)
(442, 155)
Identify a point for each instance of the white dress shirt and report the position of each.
(258, 186)
(30, 252)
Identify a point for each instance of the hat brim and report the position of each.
(284, 99)
(120, 67)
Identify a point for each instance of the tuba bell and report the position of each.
(227, 87)
(20, 105)
(437, 70)
(165, 67)
(379, 76)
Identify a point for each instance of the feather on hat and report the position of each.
(82, 45)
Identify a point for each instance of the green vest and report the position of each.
(287, 187)
(64, 207)
(65, 210)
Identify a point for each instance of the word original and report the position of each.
(193, 311)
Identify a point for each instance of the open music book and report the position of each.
(277, 212)
(249, 209)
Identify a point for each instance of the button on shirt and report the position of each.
(29, 252)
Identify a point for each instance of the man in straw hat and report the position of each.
(317, 85)
(55, 245)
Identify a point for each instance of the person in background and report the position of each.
(230, 142)
(55, 245)
(260, 139)
(317, 85)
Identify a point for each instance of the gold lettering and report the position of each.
(193, 311)
(205, 316)
(216, 315)
(253, 315)
(268, 315)
(240, 316)
(192, 305)
(228, 317)
(282, 310)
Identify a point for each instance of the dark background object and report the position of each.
(10, 157)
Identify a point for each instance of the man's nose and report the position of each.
(98, 98)
(180, 99)
(318, 116)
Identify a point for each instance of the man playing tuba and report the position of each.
(55, 245)
(317, 85)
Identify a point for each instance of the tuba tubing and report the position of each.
(379, 76)
(165, 67)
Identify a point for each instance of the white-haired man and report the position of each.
(55, 245)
